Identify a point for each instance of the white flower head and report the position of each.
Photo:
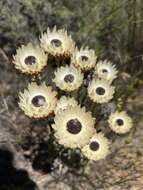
(68, 78)
(97, 148)
(100, 91)
(106, 70)
(38, 100)
(84, 59)
(120, 122)
(74, 127)
(30, 59)
(57, 42)
(65, 102)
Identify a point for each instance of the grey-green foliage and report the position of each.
(112, 27)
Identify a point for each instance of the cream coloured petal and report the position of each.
(100, 91)
(65, 102)
(57, 42)
(120, 122)
(74, 127)
(30, 59)
(68, 78)
(84, 59)
(37, 101)
(97, 148)
(106, 70)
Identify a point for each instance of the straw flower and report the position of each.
(68, 78)
(57, 42)
(120, 122)
(74, 127)
(37, 101)
(100, 91)
(97, 148)
(85, 59)
(30, 59)
(106, 70)
(64, 103)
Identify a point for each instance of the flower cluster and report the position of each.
(74, 124)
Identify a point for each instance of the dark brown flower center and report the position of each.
(104, 71)
(56, 42)
(84, 58)
(74, 126)
(120, 122)
(100, 91)
(94, 146)
(69, 78)
(38, 101)
(30, 60)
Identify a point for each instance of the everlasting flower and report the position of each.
(106, 70)
(68, 78)
(97, 148)
(64, 103)
(120, 122)
(57, 42)
(100, 91)
(30, 59)
(38, 101)
(85, 59)
(74, 127)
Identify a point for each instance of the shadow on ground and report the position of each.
(10, 177)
